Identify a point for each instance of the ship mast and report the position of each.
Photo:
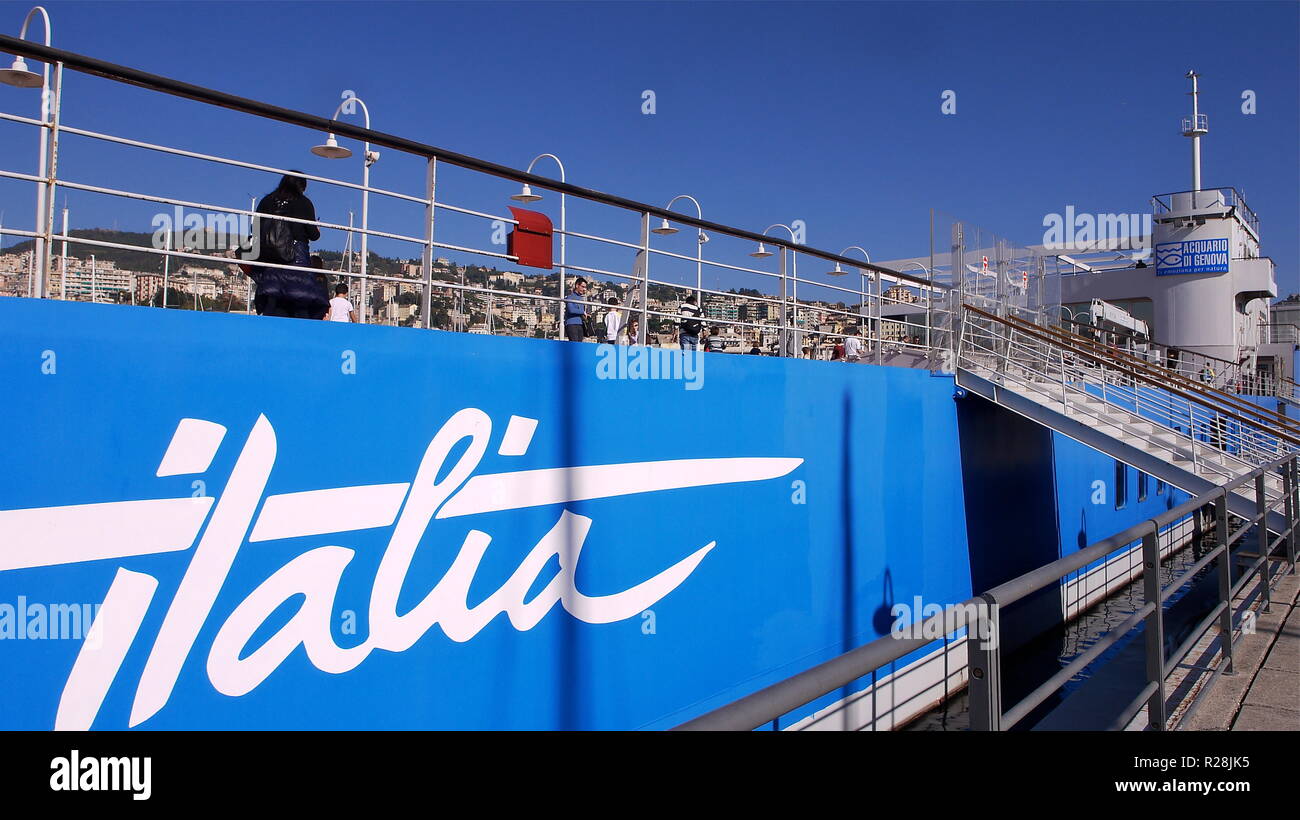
(1195, 128)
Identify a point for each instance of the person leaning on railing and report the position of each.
(282, 292)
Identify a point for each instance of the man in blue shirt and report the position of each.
(575, 311)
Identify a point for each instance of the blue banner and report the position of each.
(217, 521)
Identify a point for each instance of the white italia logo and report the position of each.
(48, 536)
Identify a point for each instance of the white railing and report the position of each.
(1213, 438)
(779, 310)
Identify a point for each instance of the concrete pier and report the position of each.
(1264, 692)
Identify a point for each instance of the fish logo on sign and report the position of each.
(1169, 256)
(53, 536)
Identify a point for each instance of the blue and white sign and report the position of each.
(212, 521)
(1192, 256)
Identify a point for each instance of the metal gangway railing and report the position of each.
(1223, 374)
(978, 620)
(749, 285)
(1220, 441)
(1199, 385)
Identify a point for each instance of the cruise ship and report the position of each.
(531, 533)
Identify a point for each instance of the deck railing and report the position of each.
(781, 310)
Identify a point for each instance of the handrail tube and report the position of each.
(1263, 412)
(1190, 572)
(1132, 374)
(238, 163)
(1041, 692)
(758, 708)
(1167, 446)
(1196, 634)
(155, 82)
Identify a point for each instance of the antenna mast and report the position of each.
(1195, 128)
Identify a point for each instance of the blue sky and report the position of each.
(766, 112)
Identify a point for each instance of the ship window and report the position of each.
(1160, 487)
(1121, 485)
(1142, 486)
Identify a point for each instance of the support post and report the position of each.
(426, 262)
(1225, 579)
(645, 279)
(1261, 540)
(985, 668)
(1155, 628)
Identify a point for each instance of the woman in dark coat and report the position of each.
(282, 292)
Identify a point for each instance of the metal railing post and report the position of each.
(1261, 539)
(1288, 490)
(984, 662)
(1225, 579)
(644, 329)
(785, 307)
(51, 172)
(880, 325)
(1155, 627)
(426, 262)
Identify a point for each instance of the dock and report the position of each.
(1264, 692)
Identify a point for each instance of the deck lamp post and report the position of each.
(763, 253)
(20, 76)
(526, 195)
(332, 150)
(665, 229)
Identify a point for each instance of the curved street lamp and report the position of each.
(526, 195)
(332, 150)
(763, 253)
(864, 276)
(701, 237)
(20, 76)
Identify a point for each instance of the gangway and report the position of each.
(1136, 412)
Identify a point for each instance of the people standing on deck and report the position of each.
(689, 335)
(341, 309)
(633, 331)
(575, 311)
(611, 322)
(1207, 374)
(852, 345)
(283, 292)
(714, 343)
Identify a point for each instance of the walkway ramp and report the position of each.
(1138, 412)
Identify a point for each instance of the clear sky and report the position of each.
(765, 112)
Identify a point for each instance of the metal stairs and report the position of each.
(1145, 415)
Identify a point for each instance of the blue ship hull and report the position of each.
(345, 527)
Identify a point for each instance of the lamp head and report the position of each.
(332, 150)
(19, 75)
(664, 229)
(526, 195)
(761, 253)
